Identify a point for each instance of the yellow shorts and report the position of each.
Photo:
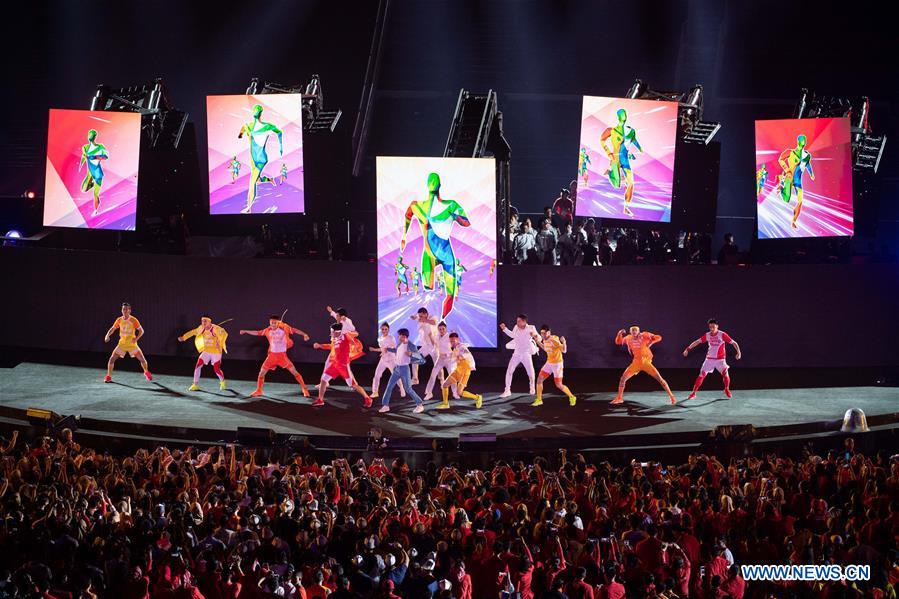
(130, 349)
(459, 378)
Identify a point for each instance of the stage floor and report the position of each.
(165, 401)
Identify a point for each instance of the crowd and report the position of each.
(223, 523)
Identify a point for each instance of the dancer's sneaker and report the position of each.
(618, 400)
(728, 394)
(478, 401)
(383, 409)
(572, 401)
(256, 393)
(537, 402)
(418, 409)
(444, 405)
(691, 396)
(367, 402)
(107, 379)
(147, 375)
(506, 393)
(194, 387)
(673, 399)
(318, 403)
(428, 397)
(222, 385)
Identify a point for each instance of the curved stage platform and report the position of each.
(164, 410)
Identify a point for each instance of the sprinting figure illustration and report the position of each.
(339, 364)
(93, 154)
(278, 335)
(715, 357)
(459, 270)
(130, 332)
(554, 347)
(638, 345)
(620, 137)
(436, 217)
(582, 162)
(492, 268)
(793, 163)
(402, 277)
(283, 173)
(258, 132)
(387, 361)
(761, 177)
(234, 167)
(210, 340)
(523, 348)
(416, 281)
(462, 367)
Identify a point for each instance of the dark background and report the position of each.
(784, 316)
(541, 56)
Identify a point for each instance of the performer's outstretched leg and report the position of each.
(197, 368)
(299, 378)
(628, 373)
(654, 373)
(260, 381)
(143, 364)
(217, 367)
(697, 385)
(725, 376)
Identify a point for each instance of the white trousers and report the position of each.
(523, 359)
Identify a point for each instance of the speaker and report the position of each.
(258, 437)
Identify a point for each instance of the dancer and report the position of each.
(426, 341)
(715, 357)
(234, 167)
(283, 173)
(93, 154)
(278, 334)
(554, 347)
(582, 161)
(638, 345)
(402, 277)
(436, 217)
(463, 365)
(761, 177)
(620, 156)
(793, 163)
(492, 268)
(339, 364)
(257, 132)
(130, 332)
(523, 348)
(387, 361)
(401, 372)
(416, 280)
(210, 341)
(444, 361)
(459, 270)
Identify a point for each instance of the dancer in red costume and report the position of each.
(278, 334)
(339, 363)
(715, 357)
(638, 345)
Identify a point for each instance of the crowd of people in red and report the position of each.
(224, 524)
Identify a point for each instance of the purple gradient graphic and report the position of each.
(225, 115)
(827, 200)
(472, 183)
(65, 205)
(655, 124)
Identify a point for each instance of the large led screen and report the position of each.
(437, 244)
(255, 154)
(626, 159)
(92, 166)
(803, 178)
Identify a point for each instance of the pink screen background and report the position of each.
(827, 203)
(65, 205)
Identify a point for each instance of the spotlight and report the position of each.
(163, 123)
(13, 234)
(29, 194)
(854, 421)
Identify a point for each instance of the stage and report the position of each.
(165, 406)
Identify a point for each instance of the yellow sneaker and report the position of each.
(444, 405)
(537, 402)
(478, 402)
(572, 400)
(222, 385)
(194, 387)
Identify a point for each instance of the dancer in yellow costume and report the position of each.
(554, 347)
(638, 345)
(210, 340)
(458, 378)
(130, 332)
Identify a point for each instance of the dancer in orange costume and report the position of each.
(638, 345)
(339, 363)
(278, 334)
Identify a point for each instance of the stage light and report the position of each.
(13, 234)
(29, 194)
(854, 421)
(163, 123)
(693, 129)
(315, 118)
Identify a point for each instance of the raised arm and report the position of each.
(621, 337)
(564, 345)
(506, 330)
(699, 341)
(653, 339)
(296, 331)
(460, 216)
(253, 333)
